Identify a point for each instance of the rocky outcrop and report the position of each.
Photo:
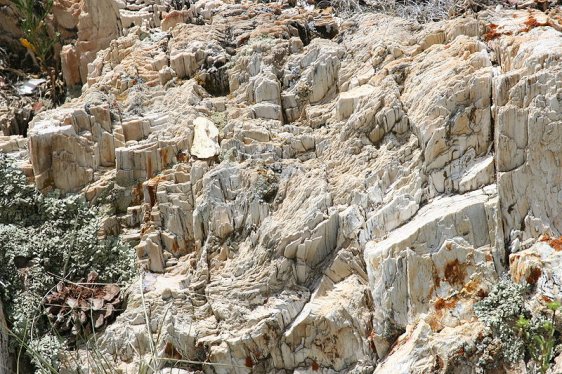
(447, 247)
(528, 132)
(306, 193)
(98, 23)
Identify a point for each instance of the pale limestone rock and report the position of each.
(421, 350)
(351, 220)
(60, 157)
(131, 19)
(354, 195)
(136, 129)
(320, 65)
(480, 174)
(13, 143)
(264, 88)
(460, 107)
(326, 316)
(166, 74)
(528, 129)
(415, 263)
(266, 110)
(205, 139)
(67, 12)
(98, 23)
(173, 18)
(348, 100)
(539, 267)
(151, 247)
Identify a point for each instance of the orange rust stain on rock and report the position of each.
(182, 157)
(534, 275)
(315, 366)
(455, 273)
(434, 323)
(439, 364)
(472, 287)
(152, 186)
(492, 33)
(449, 303)
(459, 352)
(164, 154)
(175, 248)
(532, 22)
(137, 194)
(149, 166)
(436, 279)
(555, 243)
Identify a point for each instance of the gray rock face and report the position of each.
(528, 134)
(302, 203)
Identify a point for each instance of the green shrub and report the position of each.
(538, 334)
(521, 334)
(500, 311)
(44, 239)
(33, 22)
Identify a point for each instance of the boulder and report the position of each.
(205, 139)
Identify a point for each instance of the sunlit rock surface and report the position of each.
(308, 193)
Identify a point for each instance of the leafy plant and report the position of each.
(520, 333)
(45, 239)
(36, 39)
(539, 337)
(33, 17)
(500, 311)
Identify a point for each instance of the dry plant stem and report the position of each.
(147, 321)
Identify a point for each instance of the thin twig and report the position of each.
(84, 308)
(147, 321)
(85, 283)
(14, 71)
(200, 363)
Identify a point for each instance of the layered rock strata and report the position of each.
(308, 193)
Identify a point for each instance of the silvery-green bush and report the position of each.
(42, 240)
(500, 311)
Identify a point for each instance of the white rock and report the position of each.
(205, 139)
(348, 100)
(406, 269)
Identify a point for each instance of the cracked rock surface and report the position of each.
(308, 193)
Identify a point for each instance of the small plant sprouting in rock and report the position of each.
(520, 333)
(538, 334)
(500, 311)
(37, 40)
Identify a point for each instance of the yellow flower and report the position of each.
(27, 44)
